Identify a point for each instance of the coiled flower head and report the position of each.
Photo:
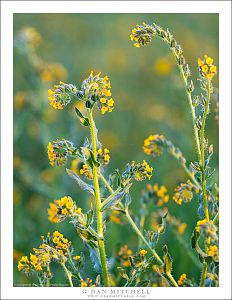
(59, 96)
(142, 35)
(138, 171)
(153, 145)
(61, 209)
(54, 247)
(206, 67)
(59, 150)
(97, 89)
(183, 193)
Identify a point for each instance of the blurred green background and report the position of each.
(149, 98)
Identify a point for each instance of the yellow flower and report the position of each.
(213, 251)
(143, 252)
(181, 228)
(87, 171)
(208, 60)
(111, 102)
(52, 213)
(69, 204)
(77, 257)
(103, 156)
(206, 67)
(200, 62)
(182, 279)
(103, 100)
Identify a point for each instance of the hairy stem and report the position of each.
(138, 232)
(203, 274)
(100, 230)
(206, 111)
(68, 274)
(48, 275)
(189, 96)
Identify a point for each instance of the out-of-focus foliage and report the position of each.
(149, 97)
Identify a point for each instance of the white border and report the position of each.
(8, 8)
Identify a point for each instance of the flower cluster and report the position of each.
(97, 89)
(183, 193)
(159, 194)
(61, 209)
(29, 265)
(206, 67)
(54, 247)
(124, 254)
(103, 156)
(59, 243)
(87, 283)
(212, 250)
(153, 145)
(207, 228)
(87, 171)
(141, 171)
(59, 150)
(59, 96)
(142, 35)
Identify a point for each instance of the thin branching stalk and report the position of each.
(100, 228)
(139, 233)
(206, 111)
(189, 96)
(48, 275)
(68, 274)
(203, 274)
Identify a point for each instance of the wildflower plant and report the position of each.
(199, 171)
(111, 193)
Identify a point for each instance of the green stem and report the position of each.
(203, 274)
(206, 111)
(40, 281)
(189, 96)
(136, 229)
(101, 245)
(73, 266)
(68, 274)
(191, 175)
(103, 204)
(48, 275)
(138, 232)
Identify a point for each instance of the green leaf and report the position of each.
(89, 157)
(94, 256)
(79, 114)
(113, 201)
(89, 215)
(83, 185)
